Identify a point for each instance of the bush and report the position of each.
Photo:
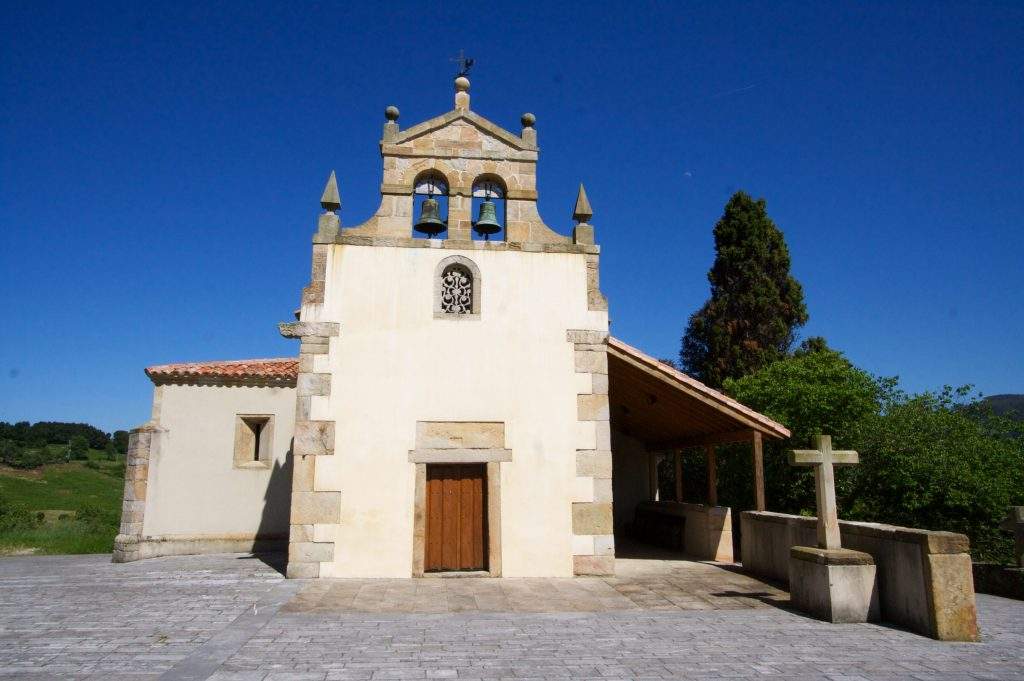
(937, 461)
(14, 516)
(95, 516)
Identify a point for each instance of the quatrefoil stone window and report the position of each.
(457, 288)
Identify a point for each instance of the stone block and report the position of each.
(586, 336)
(302, 570)
(304, 329)
(313, 384)
(595, 463)
(300, 533)
(603, 490)
(592, 518)
(593, 566)
(460, 435)
(315, 507)
(951, 587)
(604, 545)
(313, 348)
(588, 361)
(603, 435)
(310, 552)
(592, 408)
(303, 468)
(835, 586)
(583, 234)
(600, 386)
(314, 438)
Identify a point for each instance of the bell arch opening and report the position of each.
(430, 205)
(488, 208)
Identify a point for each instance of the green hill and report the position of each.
(1007, 405)
(70, 507)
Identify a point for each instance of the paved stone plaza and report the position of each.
(232, 617)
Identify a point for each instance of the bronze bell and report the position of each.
(487, 224)
(430, 222)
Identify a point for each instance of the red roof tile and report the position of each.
(280, 371)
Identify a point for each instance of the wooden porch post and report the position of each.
(652, 471)
(712, 465)
(679, 475)
(758, 473)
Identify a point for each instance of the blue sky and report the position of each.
(160, 168)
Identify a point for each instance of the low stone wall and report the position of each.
(127, 548)
(924, 577)
(999, 580)
(707, 530)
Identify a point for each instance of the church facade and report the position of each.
(456, 402)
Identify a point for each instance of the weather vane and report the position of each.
(465, 63)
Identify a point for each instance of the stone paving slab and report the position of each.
(230, 618)
(638, 585)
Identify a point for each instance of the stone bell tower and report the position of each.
(452, 407)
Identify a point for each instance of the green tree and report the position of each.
(120, 439)
(815, 391)
(939, 461)
(755, 305)
(78, 447)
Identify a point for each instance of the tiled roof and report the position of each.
(280, 371)
(723, 402)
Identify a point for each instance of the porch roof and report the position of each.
(666, 408)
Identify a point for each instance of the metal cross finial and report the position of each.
(823, 458)
(465, 63)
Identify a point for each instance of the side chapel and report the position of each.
(456, 402)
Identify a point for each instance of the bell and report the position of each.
(430, 221)
(487, 224)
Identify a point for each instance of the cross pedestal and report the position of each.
(828, 581)
(1015, 523)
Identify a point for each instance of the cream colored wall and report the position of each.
(394, 364)
(194, 488)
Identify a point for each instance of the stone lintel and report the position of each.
(459, 455)
(831, 556)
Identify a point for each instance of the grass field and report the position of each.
(55, 495)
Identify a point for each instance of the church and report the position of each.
(455, 404)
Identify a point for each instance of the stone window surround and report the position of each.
(243, 442)
(432, 451)
(477, 284)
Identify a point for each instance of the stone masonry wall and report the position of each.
(592, 524)
(142, 442)
(313, 437)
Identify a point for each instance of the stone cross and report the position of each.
(823, 459)
(1015, 523)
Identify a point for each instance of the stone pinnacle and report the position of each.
(330, 199)
(582, 212)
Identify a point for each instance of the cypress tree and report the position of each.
(755, 306)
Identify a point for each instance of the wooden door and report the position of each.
(456, 517)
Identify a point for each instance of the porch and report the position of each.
(657, 413)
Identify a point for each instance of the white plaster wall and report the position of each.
(194, 488)
(394, 365)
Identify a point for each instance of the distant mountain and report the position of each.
(1007, 405)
